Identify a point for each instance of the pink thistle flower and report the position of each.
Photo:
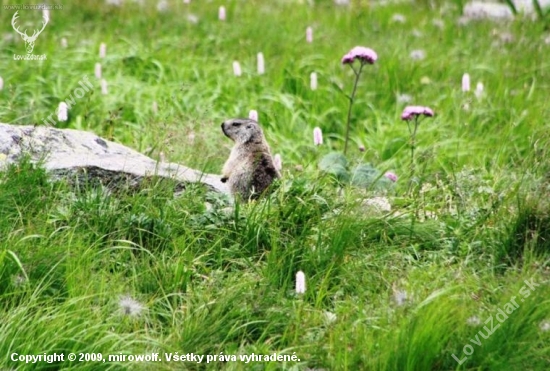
(317, 136)
(391, 176)
(309, 35)
(253, 115)
(365, 55)
(412, 111)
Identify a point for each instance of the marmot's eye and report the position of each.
(236, 124)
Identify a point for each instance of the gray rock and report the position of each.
(66, 152)
(528, 7)
(498, 11)
(485, 10)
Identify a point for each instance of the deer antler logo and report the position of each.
(29, 40)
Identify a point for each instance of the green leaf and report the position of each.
(335, 163)
(331, 159)
(512, 6)
(392, 147)
(364, 175)
(538, 9)
(336, 84)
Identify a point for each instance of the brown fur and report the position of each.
(249, 170)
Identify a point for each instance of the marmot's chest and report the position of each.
(247, 154)
(253, 174)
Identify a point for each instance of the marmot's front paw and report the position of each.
(224, 179)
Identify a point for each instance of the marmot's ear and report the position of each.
(249, 126)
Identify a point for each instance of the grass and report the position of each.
(86, 270)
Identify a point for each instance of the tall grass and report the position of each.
(86, 267)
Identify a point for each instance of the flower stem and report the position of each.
(351, 99)
(413, 143)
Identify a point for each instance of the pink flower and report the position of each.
(97, 70)
(221, 13)
(63, 112)
(365, 55)
(466, 83)
(104, 89)
(418, 54)
(278, 162)
(253, 115)
(479, 90)
(317, 136)
(391, 176)
(412, 111)
(313, 81)
(309, 35)
(300, 282)
(102, 50)
(237, 69)
(261, 63)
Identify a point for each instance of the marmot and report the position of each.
(249, 169)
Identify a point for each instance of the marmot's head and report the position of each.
(243, 131)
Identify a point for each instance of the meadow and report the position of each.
(454, 277)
